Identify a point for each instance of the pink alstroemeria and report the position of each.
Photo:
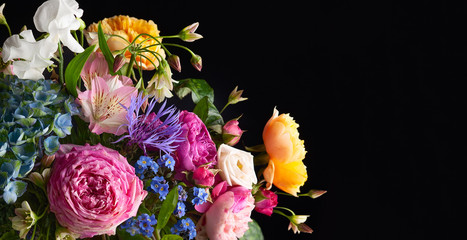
(101, 104)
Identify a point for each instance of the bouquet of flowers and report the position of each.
(94, 149)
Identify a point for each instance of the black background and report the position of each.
(377, 88)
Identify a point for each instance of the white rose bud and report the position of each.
(236, 166)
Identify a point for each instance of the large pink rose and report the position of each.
(228, 216)
(93, 189)
(197, 148)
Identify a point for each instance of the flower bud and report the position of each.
(174, 62)
(236, 96)
(119, 61)
(188, 33)
(37, 179)
(2, 17)
(47, 160)
(203, 176)
(265, 201)
(197, 62)
(82, 24)
(231, 132)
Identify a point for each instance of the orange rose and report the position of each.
(286, 153)
(128, 28)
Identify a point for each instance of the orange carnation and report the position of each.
(128, 28)
(286, 153)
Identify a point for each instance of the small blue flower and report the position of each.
(167, 161)
(182, 194)
(184, 228)
(145, 223)
(142, 164)
(159, 186)
(131, 226)
(200, 196)
(180, 209)
(154, 167)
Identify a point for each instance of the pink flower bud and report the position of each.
(231, 132)
(203, 176)
(265, 201)
(119, 61)
(197, 62)
(174, 62)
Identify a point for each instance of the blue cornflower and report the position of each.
(167, 161)
(182, 194)
(156, 131)
(200, 196)
(159, 186)
(180, 209)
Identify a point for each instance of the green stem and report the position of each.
(8, 27)
(285, 209)
(158, 234)
(82, 38)
(224, 108)
(179, 46)
(60, 64)
(130, 65)
(34, 231)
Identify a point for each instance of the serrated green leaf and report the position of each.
(109, 58)
(198, 88)
(73, 70)
(168, 206)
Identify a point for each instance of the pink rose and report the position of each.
(203, 176)
(231, 132)
(266, 201)
(228, 216)
(93, 189)
(197, 148)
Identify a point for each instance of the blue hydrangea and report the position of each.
(167, 161)
(200, 196)
(34, 116)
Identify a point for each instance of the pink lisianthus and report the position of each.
(266, 201)
(228, 216)
(93, 189)
(203, 176)
(197, 148)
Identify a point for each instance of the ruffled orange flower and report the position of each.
(129, 28)
(286, 153)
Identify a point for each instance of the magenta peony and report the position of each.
(197, 148)
(93, 189)
(228, 216)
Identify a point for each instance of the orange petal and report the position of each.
(289, 177)
(269, 175)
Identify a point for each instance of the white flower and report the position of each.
(30, 57)
(161, 84)
(236, 166)
(58, 18)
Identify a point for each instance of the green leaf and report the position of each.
(168, 206)
(11, 235)
(202, 109)
(109, 58)
(209, 114)
(253, 232)
(198, 88)
(73, 70)
(171, 237)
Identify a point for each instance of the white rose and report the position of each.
(236, 166)
(35, 56)
(58, 18)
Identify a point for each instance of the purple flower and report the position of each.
(152, 131)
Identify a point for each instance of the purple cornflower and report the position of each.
(152, 131)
